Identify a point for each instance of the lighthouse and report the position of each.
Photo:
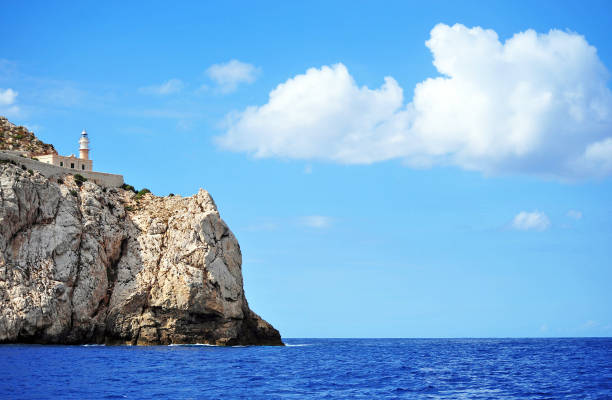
(81, 164)
(84, 146)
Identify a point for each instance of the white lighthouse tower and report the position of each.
(84, 146)
(80, 163)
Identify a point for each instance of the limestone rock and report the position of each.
(18, 138)
(93, 265)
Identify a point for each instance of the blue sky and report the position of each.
(476, 205)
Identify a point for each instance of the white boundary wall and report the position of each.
(52, 171)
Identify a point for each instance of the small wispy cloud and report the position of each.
(7, 102)
(278, 223)
(590, 324)
(263, 226)
(308, 169)
(595, 327)
(161, 113)
(184, 125)
(228, 76)
(66, 95)
(526, 221)
(574, 214)
(8, 68)
(169, 87)
(316, 221)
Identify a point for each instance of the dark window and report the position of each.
(61, 163)
(82, 167)
(71, 165)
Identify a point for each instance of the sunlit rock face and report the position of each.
(87, 264)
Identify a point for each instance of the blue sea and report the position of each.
(315, 369)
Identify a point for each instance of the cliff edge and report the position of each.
(80, 263)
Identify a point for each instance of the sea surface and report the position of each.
(315, 369)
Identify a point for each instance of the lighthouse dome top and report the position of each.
(84, 133)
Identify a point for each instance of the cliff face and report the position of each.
(86, 264)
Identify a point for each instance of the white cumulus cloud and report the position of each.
(169, 87)
(535, 104)
(7, 102)
(7, 97)
(597, 158)
(229, 75)
(526, 221)
(321, 114)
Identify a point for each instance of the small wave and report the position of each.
(297, 345)
(92, 345)
(192, 344)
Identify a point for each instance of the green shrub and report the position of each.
(171, 195)
(129, 208)
(60, 181)
(125, 186)
(30, 172)
(79, 179)
(73, 192)
(23, 167)
(141, 193)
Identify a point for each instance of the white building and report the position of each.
(81, 163)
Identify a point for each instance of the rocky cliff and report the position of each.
(14, 137)
(80, 263)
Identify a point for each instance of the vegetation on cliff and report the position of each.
(18, 138)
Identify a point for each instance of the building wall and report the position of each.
(50, 170)
(69, 162)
